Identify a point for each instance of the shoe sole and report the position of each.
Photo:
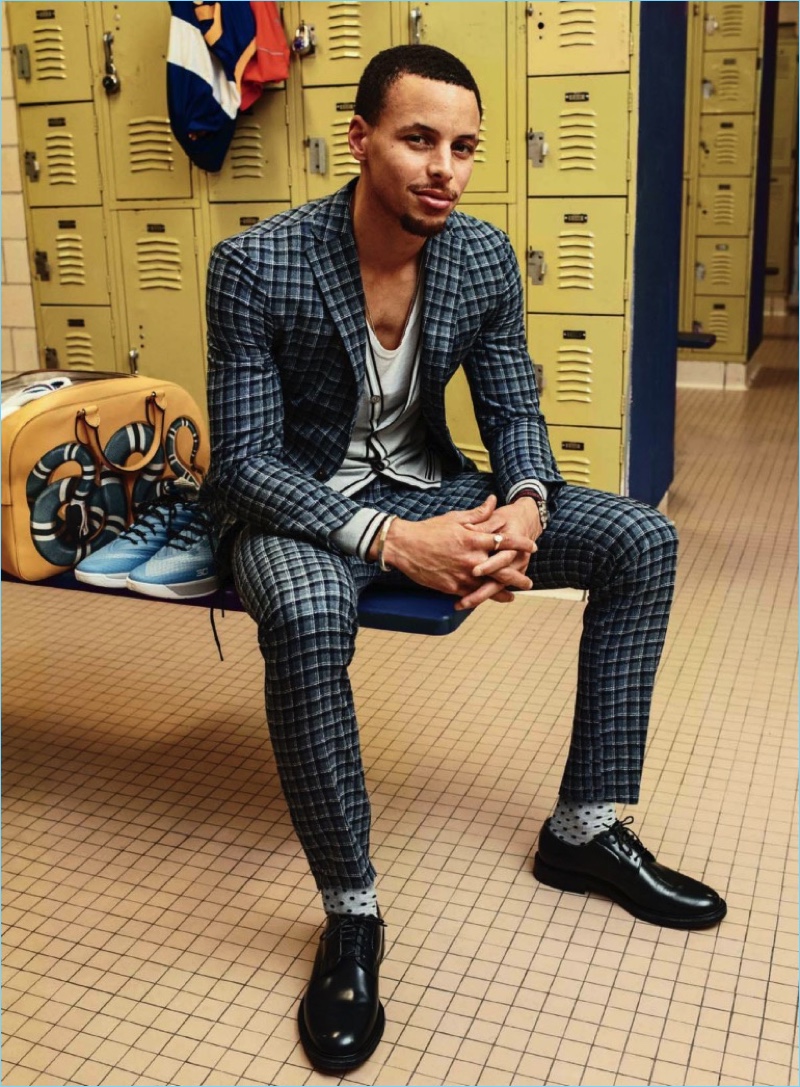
(578, 883)
(325, 1062)
(187, 591)
(102, 581)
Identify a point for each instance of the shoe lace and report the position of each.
(355, 934)
(157, 512)
(200, 525)
(629, 841)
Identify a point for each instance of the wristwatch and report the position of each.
(541, 505)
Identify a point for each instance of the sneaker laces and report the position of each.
(157, 512)
(629, 841)
(200, 525)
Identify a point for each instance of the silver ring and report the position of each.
(498, 539)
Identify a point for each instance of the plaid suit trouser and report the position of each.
(304, 600)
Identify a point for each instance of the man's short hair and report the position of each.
(386, 67)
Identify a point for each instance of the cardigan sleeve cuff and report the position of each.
(524, 485)
(356, 535)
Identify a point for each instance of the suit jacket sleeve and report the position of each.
(501, 378)
(251, 479)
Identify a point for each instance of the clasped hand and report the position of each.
(458, 553)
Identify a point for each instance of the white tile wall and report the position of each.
(20, 351)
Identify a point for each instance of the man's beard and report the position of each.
(421, 228)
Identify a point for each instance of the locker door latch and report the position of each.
(304, 42)
(42, 265)
(415, 24)
(23, 56)
(537, 268)
(699, 271)
(32, 169)
(51, 358)
(317, 155)
(133, 361)
(537, 148)
(538, 373)
(712, 24)
(111, 81)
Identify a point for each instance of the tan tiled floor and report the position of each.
(159, 920)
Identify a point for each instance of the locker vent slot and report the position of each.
(245, 155)
(342, 162)
(728, 85)
(577, 25)
(71, 260)
(724, 209)
(577, 139)
(49, 52)
(159, 265)
(59, 151)
(344, 31)
(721, 270)
(150, 144)
(574, 469)
(576, 260)
(718, 323)
(80, 353)
(731, 21)
(726, 148)
(480, 150)
(574, 375)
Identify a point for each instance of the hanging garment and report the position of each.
(210, 46)
(270, 63)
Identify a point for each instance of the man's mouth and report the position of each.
(435, 200)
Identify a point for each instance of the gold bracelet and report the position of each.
(384, 532)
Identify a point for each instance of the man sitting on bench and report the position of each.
(333, 330)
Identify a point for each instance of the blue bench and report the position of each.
(408, 611)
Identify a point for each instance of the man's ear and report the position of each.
(357, 137)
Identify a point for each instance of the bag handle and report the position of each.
(155, 414)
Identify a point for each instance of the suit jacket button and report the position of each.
(320, 475)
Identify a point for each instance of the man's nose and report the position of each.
(440, 164)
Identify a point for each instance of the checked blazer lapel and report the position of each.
(442, 296)
(333, 259)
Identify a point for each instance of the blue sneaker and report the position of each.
(184, 567)
(109, 567)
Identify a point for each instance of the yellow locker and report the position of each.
(784, 130)
(345, 35)
(257, 163)
(476, 33)
(583, 37)
(731, 26)
(50, 52)
(577, 138)
(461, 420)
(576, 259)
(329, 164)
(726, 145)
(725, 317)
(729, 82)
(496, 214)
(162, 296)
(588, 456)
(230, 219)
(723, 205)
(581, 361)
(779, 234)
(68, 256)
(147, 161)
(78, 338)
(59, 155)
(721, 266)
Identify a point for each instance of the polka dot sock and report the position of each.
(577, 823)
(363, 902)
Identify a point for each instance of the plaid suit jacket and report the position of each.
(286, 364)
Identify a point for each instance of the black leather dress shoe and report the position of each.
(340, 1017)
(617, 865)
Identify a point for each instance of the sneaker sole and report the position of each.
(187, 590)
(102, 581)
(579, 883)
(325, 1062)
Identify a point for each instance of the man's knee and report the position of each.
(646, 546)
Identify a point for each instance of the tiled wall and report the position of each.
(19, 331)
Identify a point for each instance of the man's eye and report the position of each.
(416, 138)
(464, 149)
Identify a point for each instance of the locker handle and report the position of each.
(111, 82)
(317, 155)
(133, 361)
(22, 53)
(42, 265)
(538, 148)
(32, 168)
(537, 266)
(415, 21)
